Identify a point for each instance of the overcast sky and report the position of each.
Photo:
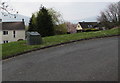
(70, 9)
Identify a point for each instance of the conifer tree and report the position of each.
(32, 24)
(44, 23)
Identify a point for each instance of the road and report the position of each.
(90, 60)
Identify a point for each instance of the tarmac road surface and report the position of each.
(90, 60)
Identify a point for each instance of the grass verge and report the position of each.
(13, 48)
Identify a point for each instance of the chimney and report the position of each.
(0, 20)
(22, 20)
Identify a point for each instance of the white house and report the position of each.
(84, 25)
(12, 31)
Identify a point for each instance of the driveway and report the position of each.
(91, 60)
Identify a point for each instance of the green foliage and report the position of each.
(47, 22)
(32, 24)
(60, 29)
(56, 16)
(90, 29)
(59, 25)
(0, 51)
(44, 23)
(21, 46)
(26, 28)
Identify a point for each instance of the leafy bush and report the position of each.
(60, 29)
(90, 29)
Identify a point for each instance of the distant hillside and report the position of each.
(18, 18)
(90, 19)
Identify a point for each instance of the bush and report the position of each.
(89, 29)
(60, 29)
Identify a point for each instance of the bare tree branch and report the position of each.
(6, 10)
(111, 16)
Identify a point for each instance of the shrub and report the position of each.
(90, 29)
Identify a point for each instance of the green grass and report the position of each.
(20, 46)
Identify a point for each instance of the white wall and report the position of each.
(78, 27)
(0, 31)
(1, 37)
(19, 34)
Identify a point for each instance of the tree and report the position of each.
(32, 24)
(58, 22)
(118, 7)
(104, 21)
(44, 23)
(56, 19)
(60, 29)
(71, 28)
(56, 16)
(111, 16)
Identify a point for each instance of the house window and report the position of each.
(5, 41)
(89, 26)
(5, 32)
(14, 34)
